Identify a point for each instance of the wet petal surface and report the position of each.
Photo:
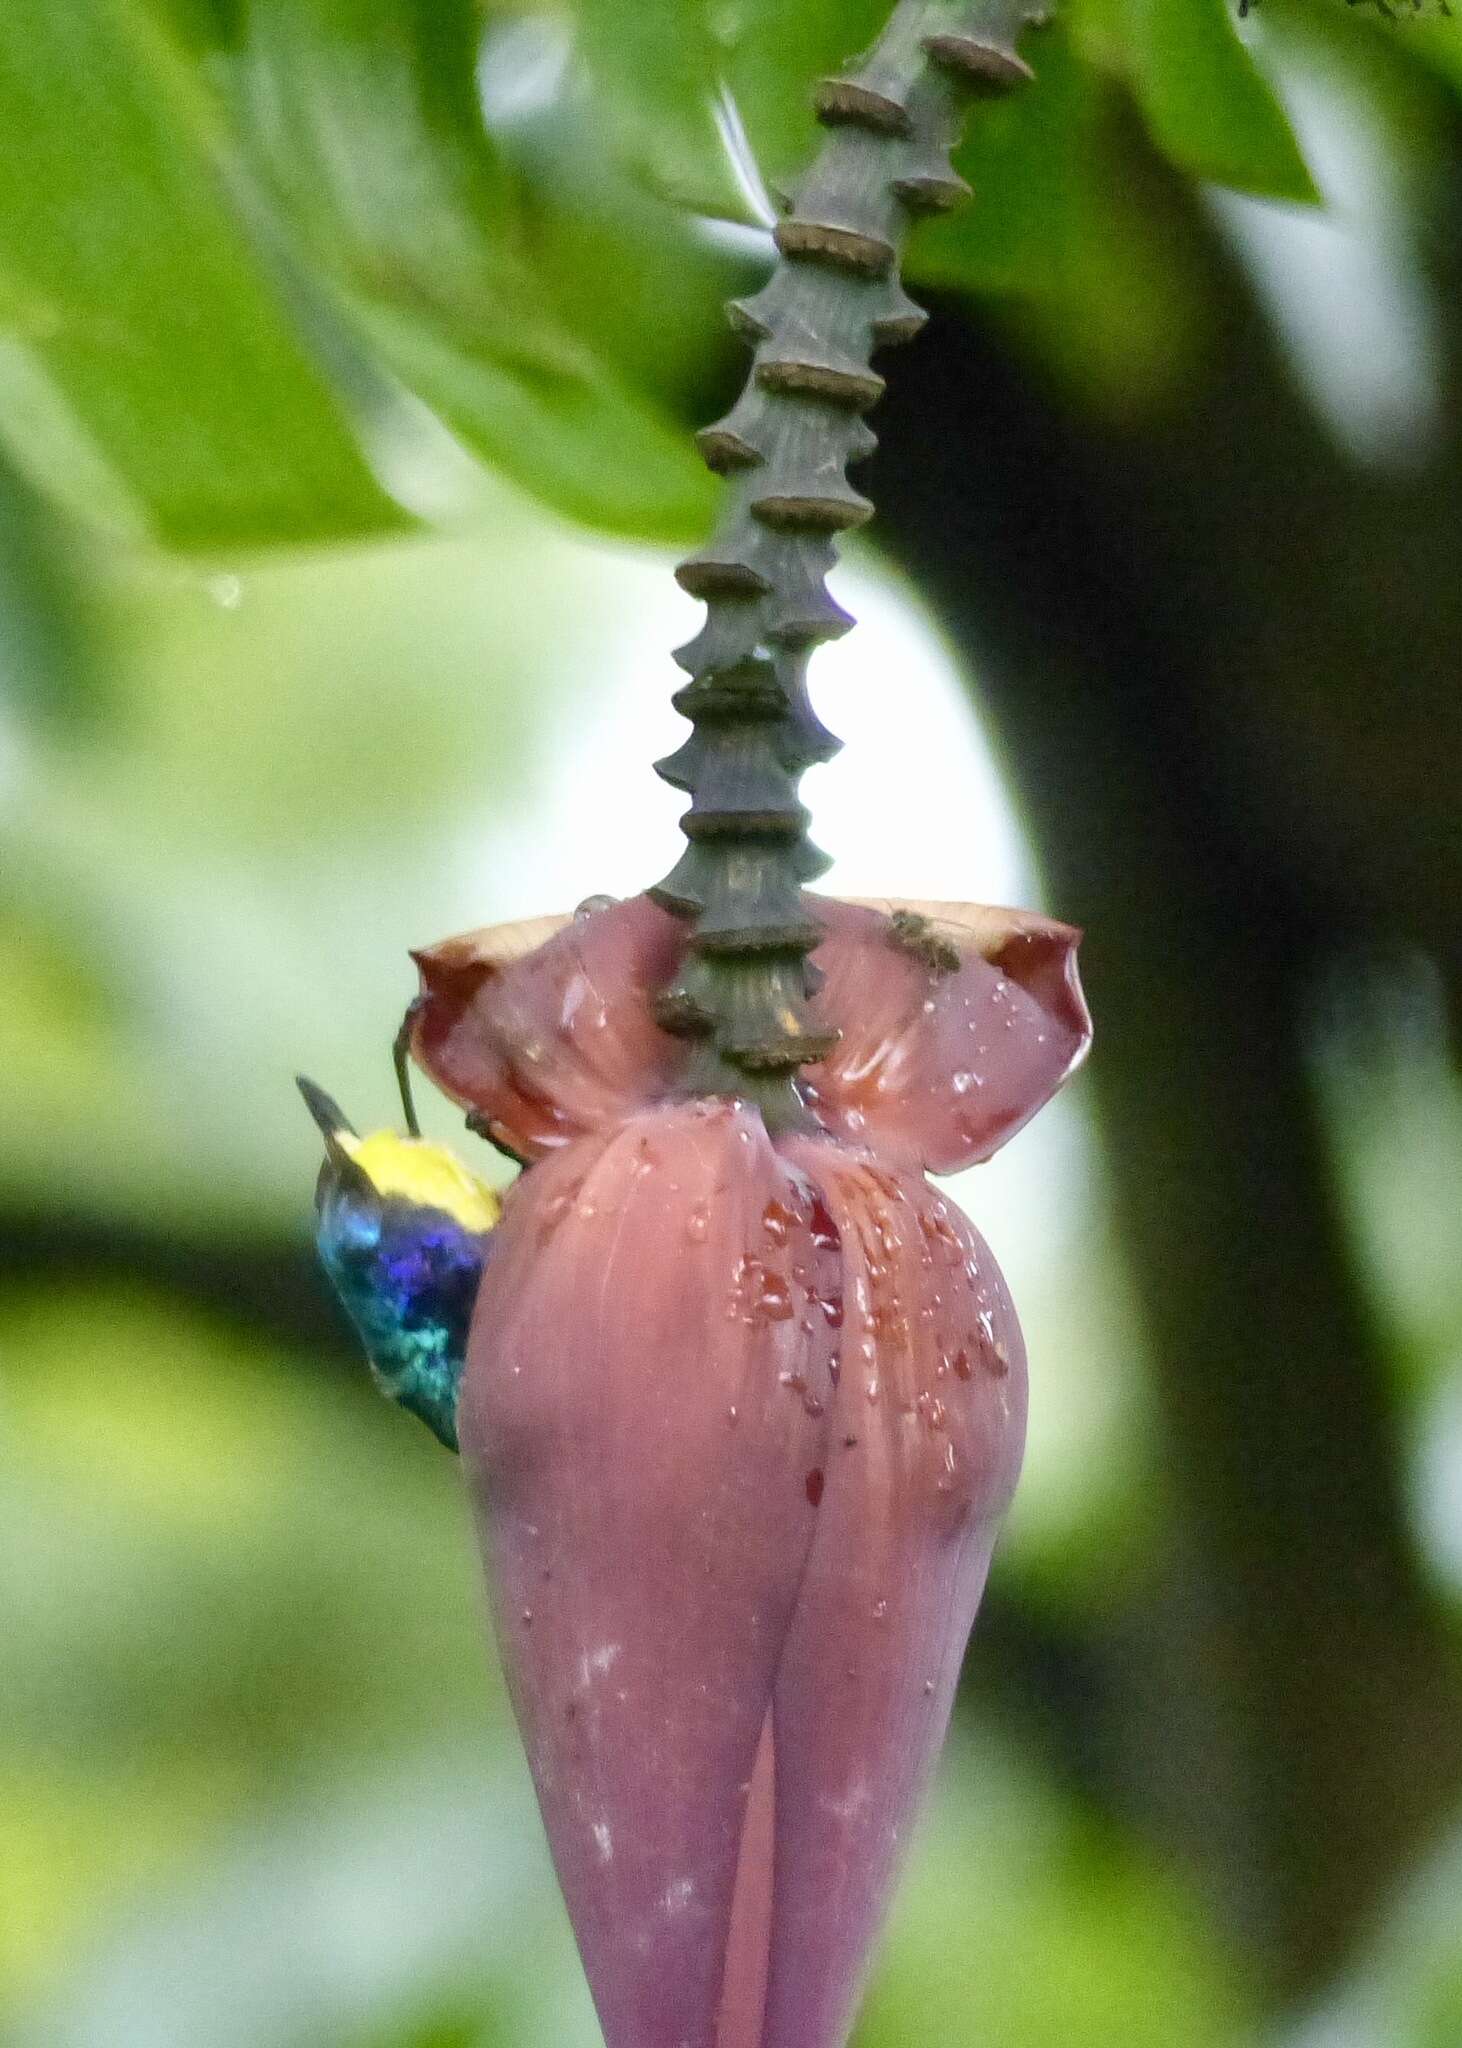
(958, 1023)
(548, 1043)
(648, 1388)
(924, 1447)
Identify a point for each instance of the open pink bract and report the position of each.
(740, 1417)
(547, 1030)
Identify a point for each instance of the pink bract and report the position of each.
(952, 1034)
(740, 1418)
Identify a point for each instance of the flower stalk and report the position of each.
(785, 448)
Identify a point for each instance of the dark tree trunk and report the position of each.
(1299, 1730)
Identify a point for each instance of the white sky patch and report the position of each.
(913, 806)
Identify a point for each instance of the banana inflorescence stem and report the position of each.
(833, 299)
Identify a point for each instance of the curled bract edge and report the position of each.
(957, 1021)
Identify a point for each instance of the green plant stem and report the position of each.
(833, 299)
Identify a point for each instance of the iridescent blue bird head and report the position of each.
(403, 1230)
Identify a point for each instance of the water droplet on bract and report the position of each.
(698, 1223)
(986, 1322)
(832, 1309)
(811, 1406)
(774, 1297)
(872, 1393)
(731, 1415)
(928, 1006)
(880, 1609)
(814, 1484)
(777, 1219)
(963, 1369)
(963, 1082)
(824, 1231)
(591, 905)
(527, 1617)
(932, 1410)
(928, 1687)
(1001, 1364)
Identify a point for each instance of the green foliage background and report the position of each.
(319, 320)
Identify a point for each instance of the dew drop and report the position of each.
(698, 1223)
(777, 1219)
(527, 1617)
(932, 1410)
(591, 905)
(774, 1301)
(824, 1231)
(555, 1211)
(962, 1366)
(880, 1609)
(731, 1415)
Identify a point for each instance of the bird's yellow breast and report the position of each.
(426, 1175)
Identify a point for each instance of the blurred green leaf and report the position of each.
(1065, 232)
(777, 53)
(204, 1545)
(1208, 106)
(46, 669)
(146, 318)
(1020, 1922)
(667, 70)
(364, 116)
(1030, 160)
(658, 67)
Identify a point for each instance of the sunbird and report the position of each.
(403, 1230)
